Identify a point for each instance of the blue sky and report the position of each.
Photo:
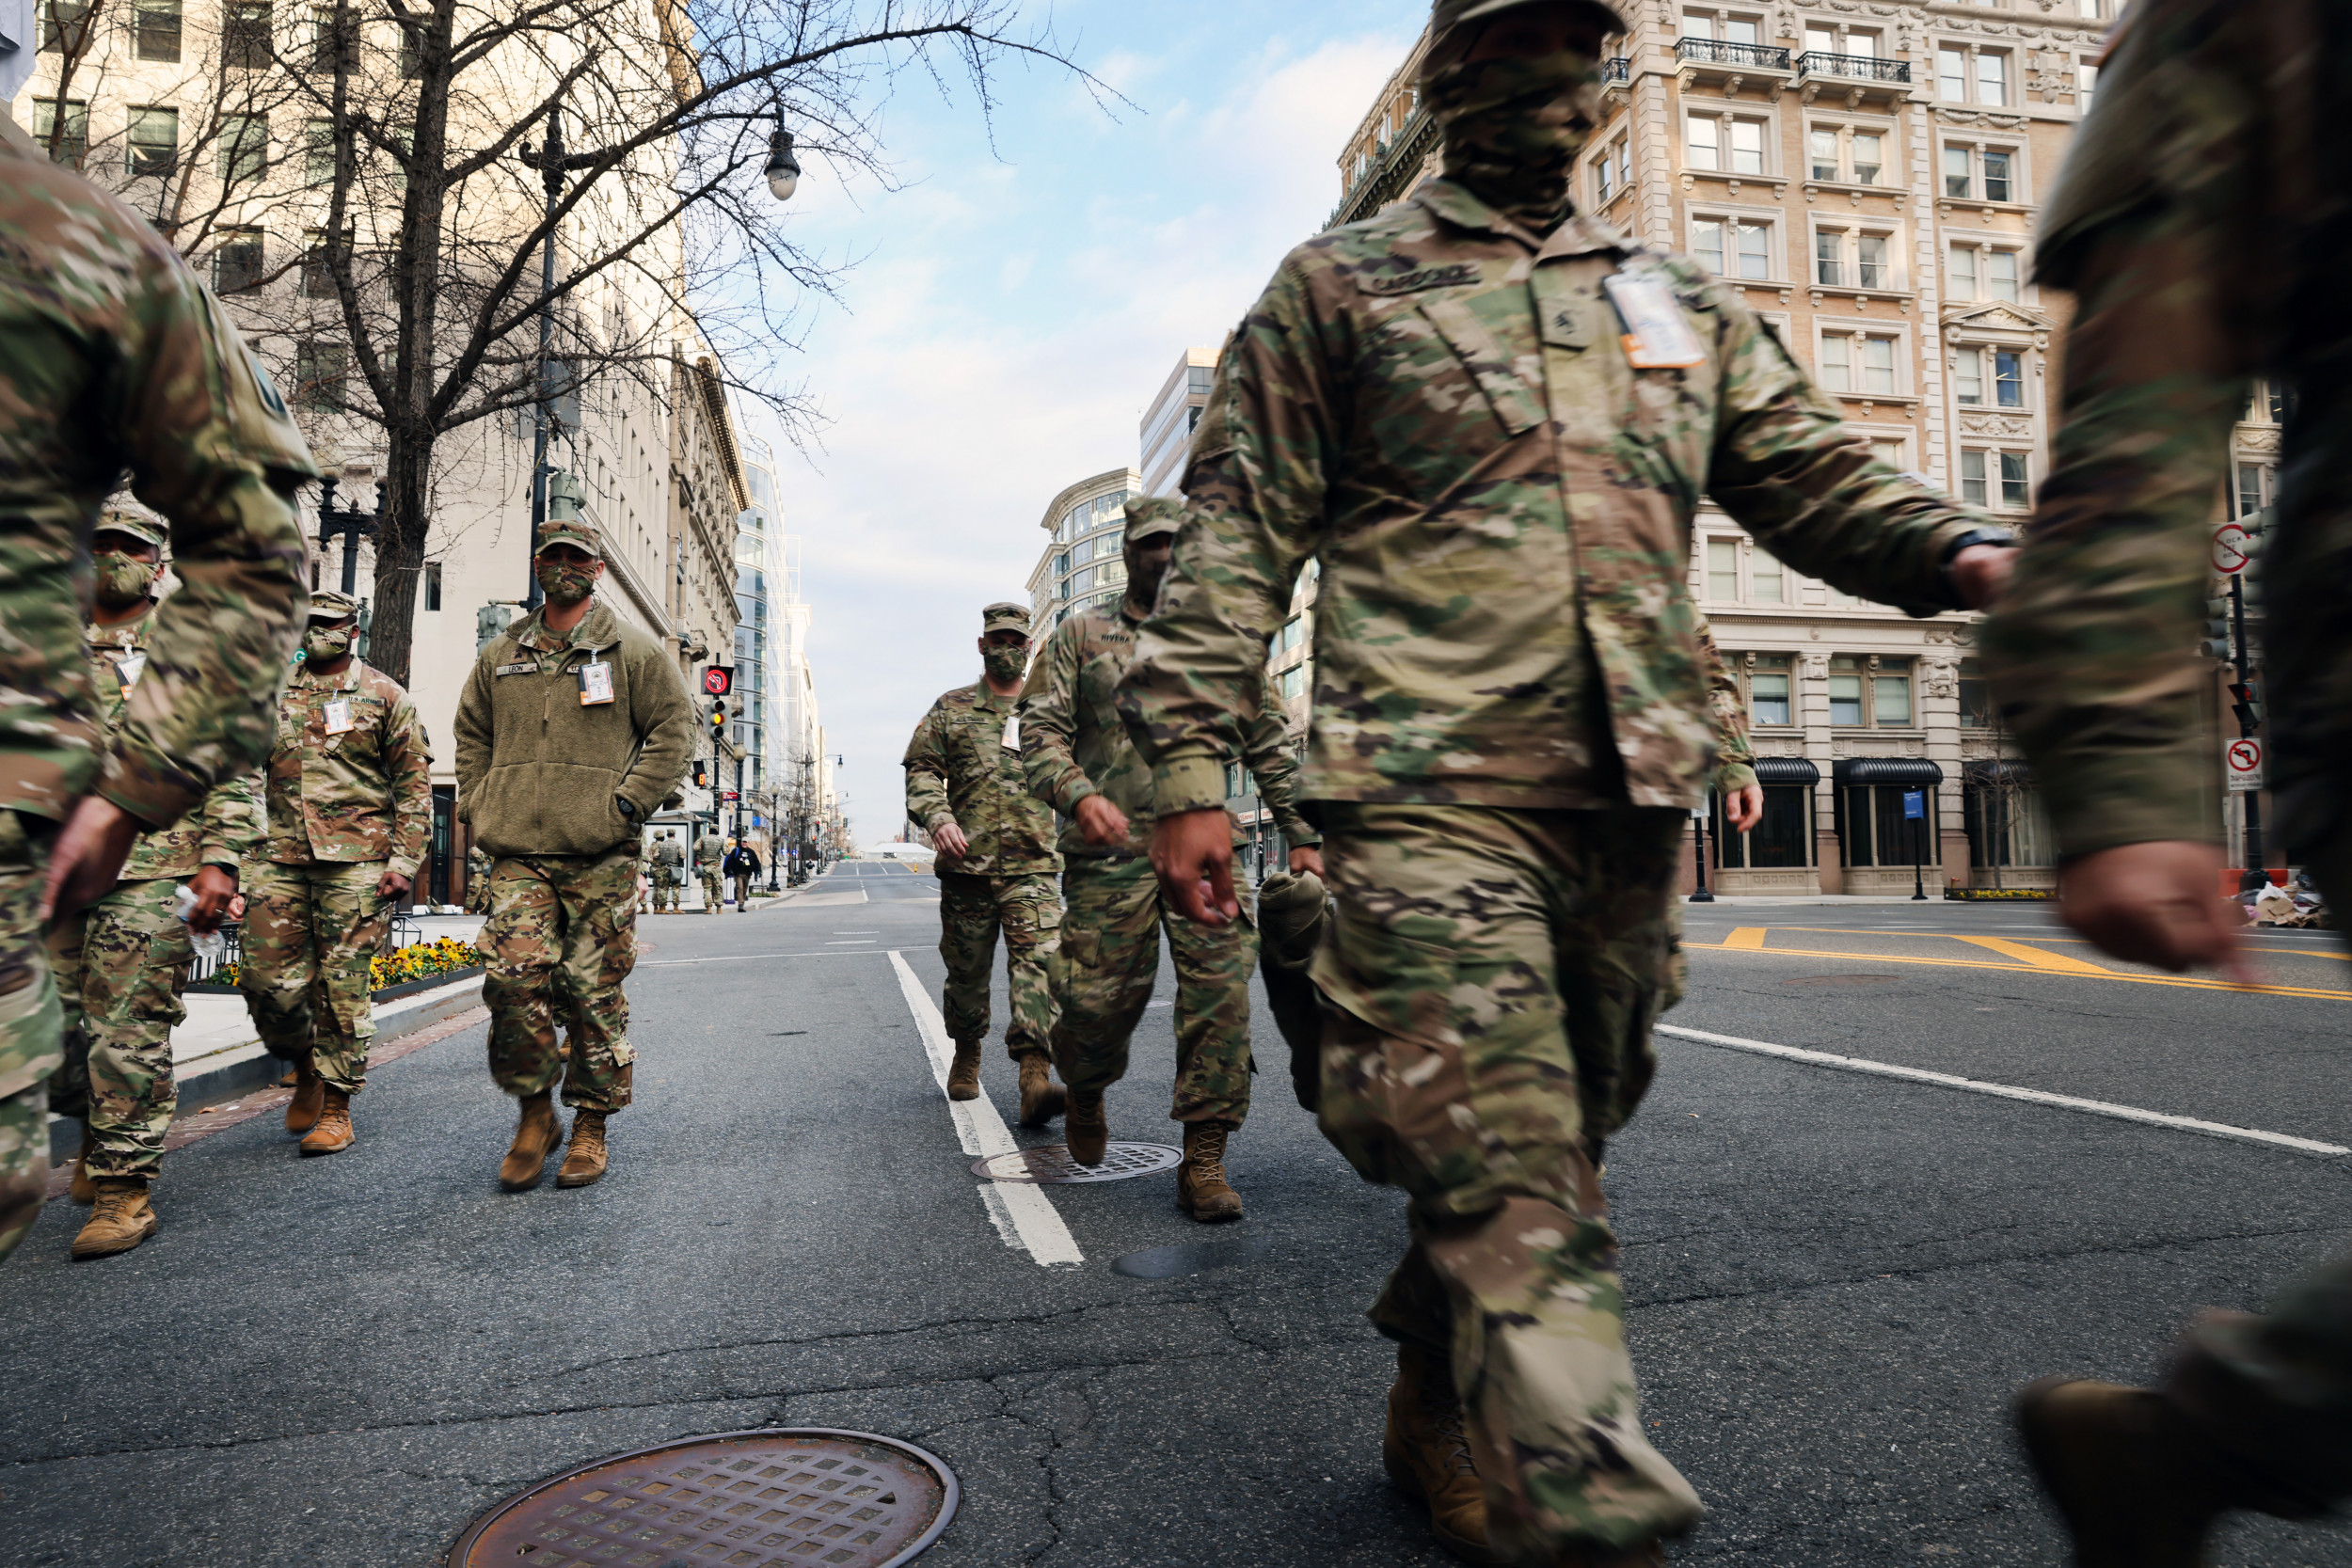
(1021, 301)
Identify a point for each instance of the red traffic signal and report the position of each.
(717, 680)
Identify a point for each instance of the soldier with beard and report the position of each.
(1490, 418)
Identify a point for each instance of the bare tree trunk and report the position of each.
(403, 512)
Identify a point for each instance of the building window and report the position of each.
(318, 151)
(320, 370)
(1732, 248)
(331, 50)
(317, 278)
(432, 585)
(2009, 379)
(1874, 831)
(411, 53)
(1722, 28)
(1840, 154)
(1982, 273)
(1844, 261)
(1860, 363)
(1997, 185)
(2085, 85)
(1722, 570)
(244, 147)
(71, 130)
(1845, 692)
(1951, 75)
(1860, 698)
(237, 260)
(2268, 402)
(1890, 702)
(1768, 582)
(1968, 376)
(1992, 78)
(2253, 488)
(1729, 143)
(1892, 451)
(2016, 481)
(1975, 700)
(1979, 470)
(245, 39)
(1783, 839)
(155, 140)
(1768, 691)
(1982, 174)
(64, 26)
(155, 30)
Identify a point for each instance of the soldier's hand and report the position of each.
(1743, 808)
(1980, 573)
(392, 885)
(2157, 903)
(1306, 858)
(950, 840)
(1102, 822)
(90, 853)
(1193, 853)
(216, 890)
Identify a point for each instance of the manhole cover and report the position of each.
(1169, 1263)
(1839, 980)
(783, 1498)
(1051, 1163)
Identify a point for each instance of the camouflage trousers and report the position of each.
(665, 890)
(710, 893)
(32, 1033)
(121, 965)
(310, 937)
(1110, 956)
(560, 941)
(972, 910)
(1495, 975)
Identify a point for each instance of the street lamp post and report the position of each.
(352, 524)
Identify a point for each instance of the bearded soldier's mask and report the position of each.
(1152, 523)
(325, 644)
(1006, 663)
(123, 580)
(1513, 127)
(564, 582)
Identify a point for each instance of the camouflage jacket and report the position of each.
(1072, 744)
(115, 359)
(959, 770)
(1735, 757)
(708, 854)
(1444, 412)
(2199, 222)
(668, 856)
(351, 778)
(221, 831)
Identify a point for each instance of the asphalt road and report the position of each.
(1836, 1278)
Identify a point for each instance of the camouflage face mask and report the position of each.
(1513, 127)
(1006, 664)
(122, 582)
(1143, 577)
(564, 582)
(324, 644)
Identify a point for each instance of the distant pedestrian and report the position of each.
(742, 864)
(572, 729)
(669, 871)
(709, 854)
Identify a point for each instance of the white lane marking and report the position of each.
(853, 942)
(743, 957)
(2005, 1091)
(984, 1134)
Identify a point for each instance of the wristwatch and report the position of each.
(2004, 538)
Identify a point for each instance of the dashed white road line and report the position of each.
(1021, 1205)
(2007, 1091)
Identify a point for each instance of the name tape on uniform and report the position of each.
(1656, 336)
(527, 667)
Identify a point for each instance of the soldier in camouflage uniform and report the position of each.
(573, 728)
(1079, 758)
(669, 872)
(114, 358)
(122, 962)
(2199, 224)
(708, 856)
(350, 799)
(477, 882)
(996, 865)
(1489, 419)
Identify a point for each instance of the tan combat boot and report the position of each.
(120, 1219)
(332, 1134)
(1041, 1099)
(302, 1111)
(583, 1163)
(1201, 1189)
(963, 1073)
(2136, 1485)
(1426, 1454)
(1088, 1129)
(536, 1138)
(83, 1192)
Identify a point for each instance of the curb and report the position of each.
(240, 1069)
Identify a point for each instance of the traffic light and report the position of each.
(718, 715)
(702, 774)
(2216, 644)
(2245, 700)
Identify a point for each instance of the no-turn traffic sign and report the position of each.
(2242, 764)
(719, 680)
(2231, 548)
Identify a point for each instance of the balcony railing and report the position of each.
(1618, 69)
(1715, 52)
(1853, 68)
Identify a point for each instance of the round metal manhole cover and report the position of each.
(782, 1498)
(1051, 1163)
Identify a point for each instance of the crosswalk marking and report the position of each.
(2035, 956)
(1749, 938)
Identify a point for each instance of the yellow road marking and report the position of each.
(2035, 956)
(2283, 951)
(2182, 982)
(1750, 937)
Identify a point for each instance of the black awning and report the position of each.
(1903, 772)
(1786, 770)
(1988, 773)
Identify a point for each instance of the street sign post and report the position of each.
(1916, 810)
(2233, 549)
(717, 680)
(2242, 765)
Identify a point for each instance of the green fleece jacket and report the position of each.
(542, 772)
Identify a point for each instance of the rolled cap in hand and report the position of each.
(1446, 15)
(327, 605)
(572, 532)
(1004, 616)
(1149, 516)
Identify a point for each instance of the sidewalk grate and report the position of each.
(787, 1498)
(1050, 1165)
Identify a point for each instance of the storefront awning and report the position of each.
(1988, 773)
(1786, 770)
(1901, 773)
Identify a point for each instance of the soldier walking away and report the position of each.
(1080, 759)
(477, 882)
(1489, 419)
(350, 809)
(571, 730)
(115, 359)
(669, 871)
(742, 864)
(121, 963)
(2199, 224)
(996, 864)
(708, 856)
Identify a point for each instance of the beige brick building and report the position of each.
(1868, 172)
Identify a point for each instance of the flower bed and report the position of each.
(422, 960)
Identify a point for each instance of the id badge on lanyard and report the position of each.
(338, 716)
(596, 683)
(1657, 337)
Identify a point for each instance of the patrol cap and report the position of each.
(1149, 516)
(1446, 15)
(327, 605)
(1004, 615)
(148, 530)
(572, 532)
